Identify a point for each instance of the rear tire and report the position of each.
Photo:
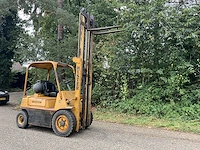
(22, 119)
(63, 123)
(3, 103)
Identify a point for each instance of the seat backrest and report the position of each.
(49, 89)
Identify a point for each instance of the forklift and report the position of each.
(53, 103)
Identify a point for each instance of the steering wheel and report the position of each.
(67, 84)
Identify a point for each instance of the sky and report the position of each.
(29, 28)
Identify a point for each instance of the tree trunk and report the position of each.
(60, 26)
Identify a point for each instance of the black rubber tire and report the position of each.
(91, 120)
(22, 119)
(3, 103)
(74, 120)
(63, 123)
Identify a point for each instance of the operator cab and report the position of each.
(49, 78)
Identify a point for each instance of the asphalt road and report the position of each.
(99, 136)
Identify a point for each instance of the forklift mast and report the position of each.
(83, 79)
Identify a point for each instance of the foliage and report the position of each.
(8, 39)
(162, 102)
(5, 7)
(43, 43)
(153, 68)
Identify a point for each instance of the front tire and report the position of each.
(63, 123)
(22, 119)
(91, 120)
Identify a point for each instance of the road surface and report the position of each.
(99, 136)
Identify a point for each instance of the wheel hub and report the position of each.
(21, 119)
(62, 123)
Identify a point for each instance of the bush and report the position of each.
(157, 103)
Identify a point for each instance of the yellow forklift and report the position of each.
(54, 104)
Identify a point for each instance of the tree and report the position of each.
(8, 39)
(5, 7)
(46, 16)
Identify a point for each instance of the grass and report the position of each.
(176, 125)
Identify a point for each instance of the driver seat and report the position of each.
(49, 89)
